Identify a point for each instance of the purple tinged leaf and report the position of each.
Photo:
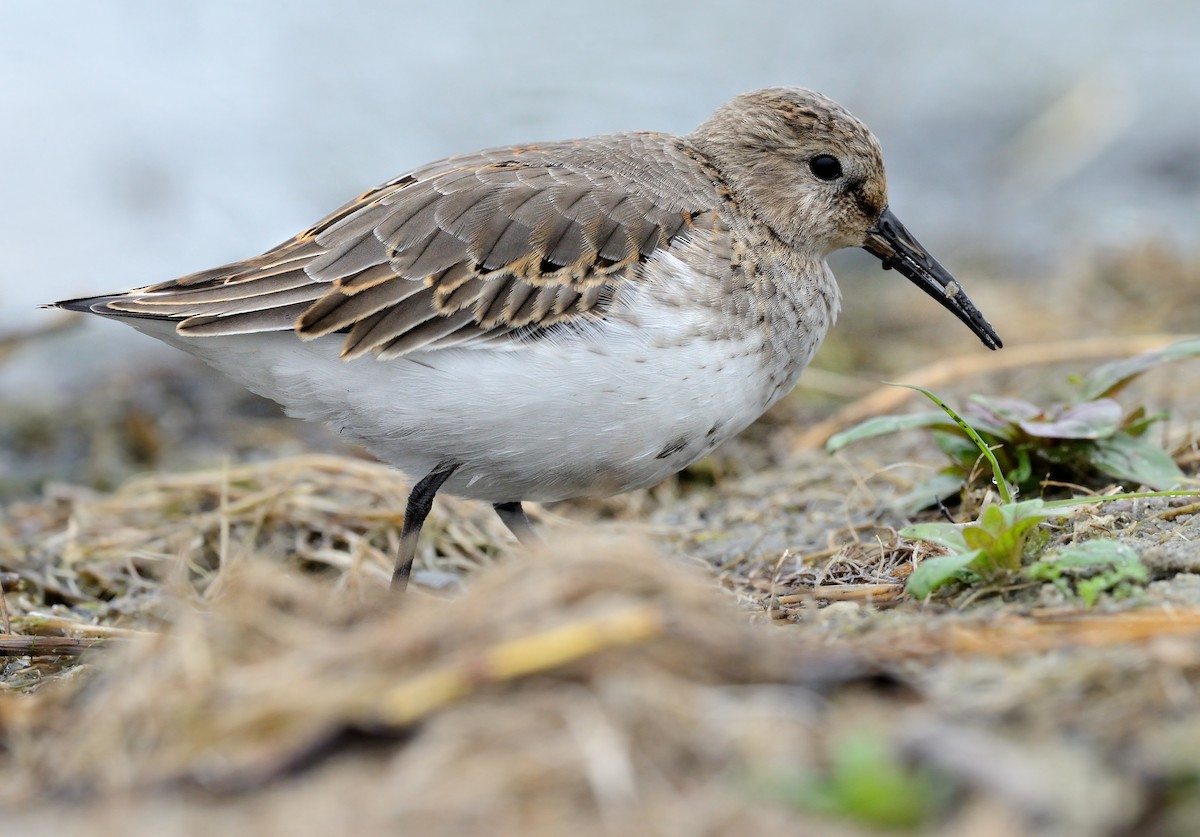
(1007, 409)
(1089, 420)
(998, 416)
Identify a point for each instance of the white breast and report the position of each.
(619, 404)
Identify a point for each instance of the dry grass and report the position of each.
(327, 514)
(561, 692)
(253, 656)
(254, 676)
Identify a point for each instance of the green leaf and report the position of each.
(1136, 459)
(941, 569)
(1137, 422)
(1001, 533)
(984, 448)
(949, 535)
(871, 784)
(1061, 508)
(997, 539)
(1091, 569)
(1023, 472)
(979, 538)
(1110, 378)
(956, 446)
(1027, 511)
(1097, 553)
(995, 519)
(866, 781)
(882, 425)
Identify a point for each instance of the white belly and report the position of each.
(546, 422)
(621, 404)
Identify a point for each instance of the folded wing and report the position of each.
(469, 250)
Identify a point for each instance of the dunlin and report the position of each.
(560, 319)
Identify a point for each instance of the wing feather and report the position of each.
(502, 244)
(336, 310)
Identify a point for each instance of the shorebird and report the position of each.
(559, 319)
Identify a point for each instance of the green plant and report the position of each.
(1091, 568)
(1008, 533)
(867, 782)
(1075, 442)
(992, 546)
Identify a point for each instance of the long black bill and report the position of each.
(895, 246)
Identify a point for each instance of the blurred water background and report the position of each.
(145, 140)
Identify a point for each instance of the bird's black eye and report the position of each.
(825, 167)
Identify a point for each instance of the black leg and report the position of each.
(420, 501)
(517, 521)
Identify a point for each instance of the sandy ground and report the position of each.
(731, 652)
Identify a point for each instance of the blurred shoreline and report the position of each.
(156, 141)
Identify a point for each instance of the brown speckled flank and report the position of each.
(559, 319)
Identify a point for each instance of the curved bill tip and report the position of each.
(890, 242)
